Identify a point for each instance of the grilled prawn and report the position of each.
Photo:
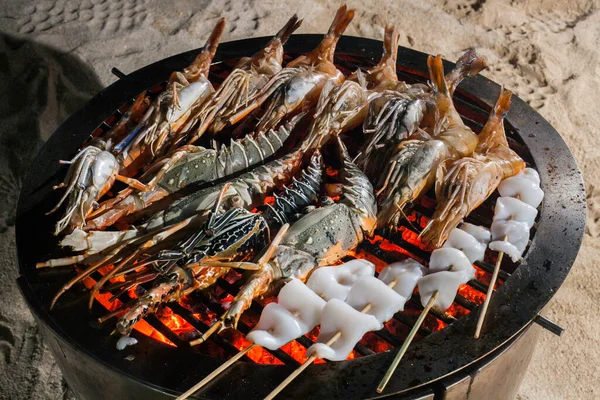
(412, 168)
(399, 112)
(235, 235)
(342, 107)
(463, 184)
(95, 168)
(242, 85)
(190, 165)
(297, 87)
(322, 237)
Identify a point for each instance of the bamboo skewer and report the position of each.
(407, 342)
(488, 295)
(312, 358)
(215, 373)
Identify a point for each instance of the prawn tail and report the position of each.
(503, 104)
(469, 64)
(436, 73)
(292, 25)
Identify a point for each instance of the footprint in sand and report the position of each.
(104, 16)
(463, 8)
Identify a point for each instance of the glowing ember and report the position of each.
(141, 326)
(174, 322)
(375, 343)
(295, 350)
(474, 296)
(393, 249)
(257, 354)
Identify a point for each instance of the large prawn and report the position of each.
(463, 184)
(190, 165)
(297, 87)
(400, 111)
(95, 168)
(344, 106)
(412, 167)
(242, 85)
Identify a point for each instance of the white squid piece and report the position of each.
(511, 209)
(478, 232)
(472, 248)
(516, 234)
(406, 273)
(384, 301)
(297, 312)
(446, 283)
(445, 258)
(524, 186)
(340, 317)
(335, 282)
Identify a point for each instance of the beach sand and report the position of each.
(54, 55)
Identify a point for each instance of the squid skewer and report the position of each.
(299, 307)
(449, 267)
(513, 218)
(372, 297)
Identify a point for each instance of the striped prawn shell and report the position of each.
(299, 194)
(207, 165)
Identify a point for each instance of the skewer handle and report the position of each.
(215, 373)
(301, 368)
(407, 342)
(290, 378)
(488, 295)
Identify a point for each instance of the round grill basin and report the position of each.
(166, 370)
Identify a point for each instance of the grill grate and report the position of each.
(382, 251)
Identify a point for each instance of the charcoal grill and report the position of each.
(445, 363)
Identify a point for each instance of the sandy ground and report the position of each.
(56, 54)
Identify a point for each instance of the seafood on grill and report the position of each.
(336, 281)
(190, 165)
(297, 311)
(241, 86)
(463, 184)
(343, 106)
(297, 87)
(93, 171)
(412, 168)
(515, 213)
(206, 254)
(141, 253)
(321, 237)
(450, 267)
(400, 111)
